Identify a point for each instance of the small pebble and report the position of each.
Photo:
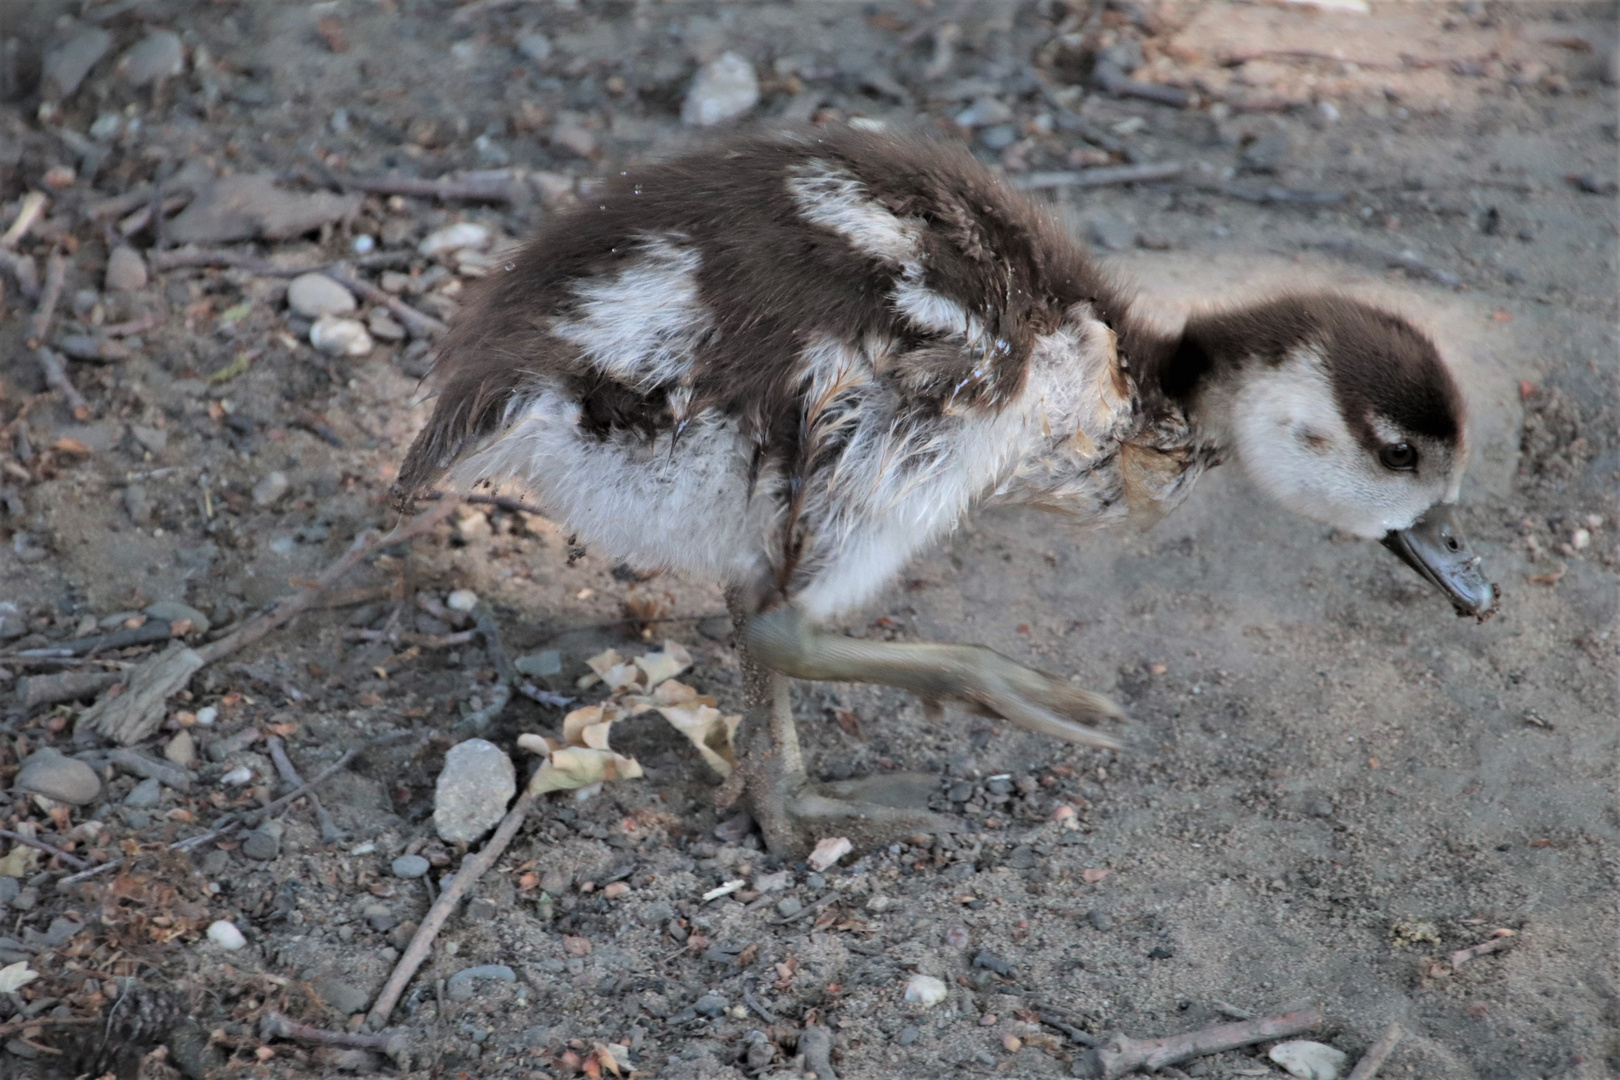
(159, 55)
(1581, 539)
(925, 990)
(261, 844)
(126, 270)
(1100, 921)
(788, 907)
(828, 850)
(225, 934)
(1012, 1043)
(269, 490)
(336, 336)
(182, 749)
(1308, 1060)
(144, 795)
(237, 776)
(723, 89)
(384, 328)
(453, 238)
(207, 715)
(410, 866)
(957, 937)
(363, 244)
(314, 295)
(476, 783)
(615, 890)
(710, 1004)
(49, 773)
(172, 611)
(461, 600)
(541, 665)
(907, 1036)
(461, 986)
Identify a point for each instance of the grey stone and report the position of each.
(174, 611)
(474, 786)
(145, 794)
(158, 55)
(47, 772)
(244, 206)
(1264, 155)
(999, 137)
(536, 46)
(710, 1004)
(985, 112)
(1100, 920)
(137, 819)
(136, 505)
(313, 295)
(481, 909)
(12, 623)
(216, 862)
(9, 888)
(1111, 233)
(907, 1036)
(723, 89)
(540, 665)
(1126, 55)
(1023, 857)
(269, 490)
(1321, 808)
(463, 983)
(788, 907)
(66, 65)
(384, 328)
(991, 962)
(999, 786)
(126, 270)
(261, 844)
(555, 882)
(380, 919)
(341, 996)
(152, 439)
(961, 791)
(410, 866)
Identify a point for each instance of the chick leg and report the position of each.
(973, 676)
(792, 811)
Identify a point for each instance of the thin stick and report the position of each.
(48, 1021)
(40, 845)
(1123, 1054)
(364, 544)
(496, 188)
(1373, 1059)
(33, 205)
(289, 774)
(466, 876)
(419, 324)
(1074, 1034)
(276, 1026)
(240, 260)
(55, 278)
(1100, 176)
(56, 377)
(132, 327)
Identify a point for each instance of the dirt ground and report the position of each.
(1334, 783)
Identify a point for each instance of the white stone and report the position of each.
(476, 783)
(451, 238)
(237, 776)
(268, 491)
(723, 89)
(829, 849)
(337, 336)
(1308, 1060)
(126, 270)
(461, 600)
(314, 295)
(225, 934)
(925, 990)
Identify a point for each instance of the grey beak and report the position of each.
(1435, 547)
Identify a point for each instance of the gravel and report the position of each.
(314, 295)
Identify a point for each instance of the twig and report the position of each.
(492, 187)
(33, 206)
(1271, 193)
(505, 674)
(1098, 177)
(276, 1026)
(426, 641)
(149, 632)
(1373, 1059)
(37, 690)
(417, 323)
(40, 845)
(758, 1006)
(56, 377)
(15, 1026)
(1500, 939)
(170, 776)
(1122, 1054)
(55, 278)
(249, 820)
(467, 875)
(23, 269)
(1074, 1034)
(289, 775)
(1109, 76)
(240, 260)
(132, 327)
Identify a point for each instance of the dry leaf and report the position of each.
(14, 977)
(664, 665)
(673, 692)
(585, 758)
(18, 862)
(603, 662)
(709, 729)
(829, 849)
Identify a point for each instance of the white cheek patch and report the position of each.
(644, 325)
(1295, 444)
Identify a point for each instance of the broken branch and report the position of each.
(55, 278)
(1373, 1059)
(1122, 1054)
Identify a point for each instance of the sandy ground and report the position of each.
(1334, 783)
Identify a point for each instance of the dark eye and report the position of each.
(1399, 456)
